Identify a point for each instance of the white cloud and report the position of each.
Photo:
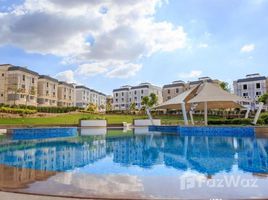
(91, 69)
(125, 70)
(191, 74)
(247, 48)
(125, 33)
(67, 76)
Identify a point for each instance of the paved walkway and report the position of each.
(12, 196)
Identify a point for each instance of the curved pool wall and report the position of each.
(206, 130)
(126, 165)
(42, 133)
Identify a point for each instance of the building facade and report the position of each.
(85, 96)
(251, 87)
(18, 85)
(170, 91)
(47, 91)
(127, 95)
(66, 96)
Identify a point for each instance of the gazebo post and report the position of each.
(206, 112)
(183, 108)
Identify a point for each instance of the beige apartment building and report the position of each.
(47, 91)
(170, 91)
(18, 85)
(66, 95)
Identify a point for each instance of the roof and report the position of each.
(48, 78)
(175, 103)
(200, 81)
(66, 84)
(260, 78)
(121, 89)
(173, 85)
(139, 87)
(23, 69)
(216, 97)
(82, 87)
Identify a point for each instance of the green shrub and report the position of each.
(56, 109)
(93, 118)
(17, 110)
(263, 118)
(237, 121)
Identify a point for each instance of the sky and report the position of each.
(105, 44)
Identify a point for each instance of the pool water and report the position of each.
(128, 165)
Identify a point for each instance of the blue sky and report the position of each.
(156, 41)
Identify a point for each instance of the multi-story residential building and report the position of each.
(142, 90)
(85, 96)
(66, 95)
(121, 98)
(170, 91)
(47, 91)
(252, 87)
(126, 95)
(18, 85)
(82, 96)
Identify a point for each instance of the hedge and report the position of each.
(17, 110)
(56, 109)
(237, 121)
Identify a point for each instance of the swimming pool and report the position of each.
(132, 164)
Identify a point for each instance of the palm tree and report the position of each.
(132, 107)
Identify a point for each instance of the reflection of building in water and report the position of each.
(58, 156)
(139, 151)
(252, 156)
(15, 178)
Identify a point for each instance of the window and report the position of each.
(245, 87)
(177, 90)
(23, 77)
(258, 85)
(168, 91)
(2, 95)
(130, 100)
(116, 94)
(169, 97)
(135, 98)
(116, 100)
(122, 94)
(123, 99)
(141, 97)
(54, 86)
(3, 75)
(47, 93)
(33, 80)
(47, 84)
(245, 94)
(142, 91)
(135, 92)
(258, 93)
(23, 86)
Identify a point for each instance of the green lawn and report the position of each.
(73, 119)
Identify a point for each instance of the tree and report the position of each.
(263, 98)
(132, 107)
(92, 108)
(225, 86)
(108, 106)
(149, 101)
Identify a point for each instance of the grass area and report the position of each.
(72, 119)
